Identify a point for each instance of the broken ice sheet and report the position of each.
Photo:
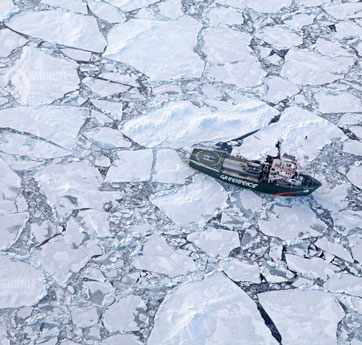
(280, 37)
(120, 316)
(181, 124)
(158, 256)
(21, 284)
(215, 242)
(61, 258)
(304, 134)
(335, 248)
(124, 339)
(223, 16)
(11, 225)
(58, 124)
(355, 175)
(39, 78)
(131, 166)
(106, 11)
(241, 270)
(194, 203)
(211, 311)
(279, 89)
(134, 43)
(288, 223)
(169, 168)
(69, 29)
(24, 145)
(331, 101)
(9, 41)
(72, 5)
(6, 8)
(84, 317)
(73, 185)
(311, 268)
(345, 283)
(106, 137)
(302, 316)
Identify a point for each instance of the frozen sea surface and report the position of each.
(109, 237)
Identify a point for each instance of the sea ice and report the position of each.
(106, 138)
(304, 134)
(344, 10)
(250, 200)
(21, 284)
(299, 20)
(59, 124)
(120, 316)
(311, 268)
(171, 8)
(302, 316)
(39, 78)
(134, 43)
(60, 257)
(7, 7)
(96, 222)
(124, 339)
(211, 311)
(345, 283)
(106, 11)
(69, 29)
(279, 89)
(74, 185)
(288, 223)
(241, 271)
(77, 54)
(43, 231)
(280, 37)
(347, 29)
(353, 146)
(223, 16)
(130, 5)
(72, 5)
(333, 199)
(11, 225)
(303, 66)
(104, 88)
(179, 124)
(335, 248)
(131, 166)
(169, 168)
(84, 317)
(355, 242)
(113, 109)
(194, 203)
(215, 242)
(158, 256)
(9, 41)
(355, 175)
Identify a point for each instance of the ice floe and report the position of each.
(58, 124)
(335, 248)
(311, 268)
(288, 223)
(215, 242)
(304, 134)
(120, 316)
(40, 78)
(84, 317)
(106, 137)
(180, 124)
(279, 89)
(11, 225)
(7, 7)
(334, 102)
(69, 29)
(124, 339)
(157, 256)
(344, 10)
(280, 37)
(213, 310)
(21, 284)
(345, 283)
(355, 242)
(134, 43)
(223, 16)
(302, 316)
(72, 5)
(241, 271)
(9, 41)
(171, 8)
(131, 166)
(194, 203)
(106, 11)
(355, 175)
(130, 5)
(353, 146)
(169, 168)
(303, 66)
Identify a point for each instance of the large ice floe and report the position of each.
(109, 237)
(213, 310)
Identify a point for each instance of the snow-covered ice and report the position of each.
(279, 37)
(194, 203)
(241, 271)
(215, 242)
(289, 223)
(345, 282)
(213, 310)
(120, 316)
(131, 166)
(133, 43)
(157, 256)
(182, 124)
(39, 78)
(66, 28)
(106, 138)
(355, 175)
(10, 41)
(302, 316)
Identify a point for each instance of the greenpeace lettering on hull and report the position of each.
(238, 181)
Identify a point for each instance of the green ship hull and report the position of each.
(212, 163)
